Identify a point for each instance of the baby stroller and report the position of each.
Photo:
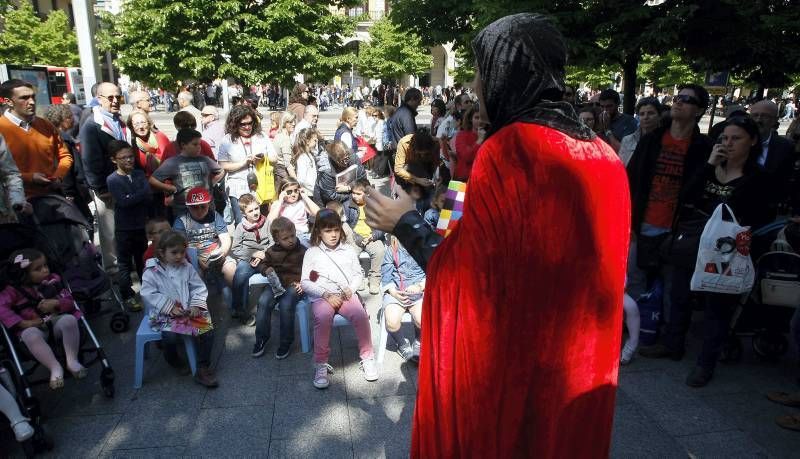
(766, 313)
(29, 407)
(62, 233)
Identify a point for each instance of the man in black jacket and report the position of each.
(402, 123)
(777, 154)
(658, 175)
(99, 130)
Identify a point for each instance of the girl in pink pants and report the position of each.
(331, 275)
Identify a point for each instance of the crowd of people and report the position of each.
(226, 199)
(229, 198)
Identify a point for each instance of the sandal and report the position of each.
(57, 383)
(789, 421)
(784, 398)
(22, 429)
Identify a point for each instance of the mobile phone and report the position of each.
(724, 162)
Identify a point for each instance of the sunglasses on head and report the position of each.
(686, 99)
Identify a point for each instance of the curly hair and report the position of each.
(237, 114)
(56, 114)
(141, 112)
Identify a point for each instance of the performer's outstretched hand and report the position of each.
(383, 212)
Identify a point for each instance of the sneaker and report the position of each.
(206, 377)
(22, 429)
(283, 352)
(321, 380)
(259, 348)
(251, 322)
(415, 347)
(628, 351)
(374, 286)
(133, 305)
(369, 369)
(699, 377)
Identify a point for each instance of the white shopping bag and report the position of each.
(723, 261)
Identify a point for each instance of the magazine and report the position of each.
(348, 176)
(183, 325)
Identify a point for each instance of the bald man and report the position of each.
(777, 156)
(103, 126)
(140, 100)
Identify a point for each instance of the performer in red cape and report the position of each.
(523, 305)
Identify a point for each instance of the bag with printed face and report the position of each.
(723, 259)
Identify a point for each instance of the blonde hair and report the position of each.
(286, 117)
(347, 113)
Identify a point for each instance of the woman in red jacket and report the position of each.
(466, 143)
(523, 301)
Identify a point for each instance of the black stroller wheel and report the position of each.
(732, 351)
(769, 346)
(119, 322)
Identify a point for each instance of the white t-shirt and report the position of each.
(240, 150)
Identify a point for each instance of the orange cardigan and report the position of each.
(40, 149)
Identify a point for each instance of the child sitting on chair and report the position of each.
(207, 232)
(175, 298)
(403, 284)
(284, 258)
(331, 275)
(250, 241)
(366, 239)
(34, 299)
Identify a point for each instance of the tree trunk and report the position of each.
(629, 67)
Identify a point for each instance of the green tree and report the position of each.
(27, 40)
(161, 42)
(391, 53)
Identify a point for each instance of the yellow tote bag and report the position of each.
(266, 181)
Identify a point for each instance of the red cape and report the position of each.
(523, 306)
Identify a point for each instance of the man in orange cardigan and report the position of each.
(41, 156)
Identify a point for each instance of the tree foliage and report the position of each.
(26, 39)
(391, 53)
(756, 39)
(161, 42)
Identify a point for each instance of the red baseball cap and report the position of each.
(197, 195)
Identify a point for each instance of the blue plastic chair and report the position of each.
(302, 312)
(145, 335)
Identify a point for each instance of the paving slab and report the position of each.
(301, 410)
(148, 430)
(247, 432)
(81, 436)
(379, 426)
(304, 447)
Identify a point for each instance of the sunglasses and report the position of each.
(249, 123)
(686, 99)
(113, 97)
(292, 191)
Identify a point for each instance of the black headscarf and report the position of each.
(521, 61)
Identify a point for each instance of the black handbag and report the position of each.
(648, 251)
(681, 246)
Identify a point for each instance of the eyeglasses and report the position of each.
(245, 124)
(111, 97)
(127, 159)
(686, 99)
(141, 124)
(292, 191)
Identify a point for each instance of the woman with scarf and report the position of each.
(523, 301)
(150, 146)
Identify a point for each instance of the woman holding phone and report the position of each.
(244, 144)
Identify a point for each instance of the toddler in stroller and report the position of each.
(36, 301)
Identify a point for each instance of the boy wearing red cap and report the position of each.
(207, 232)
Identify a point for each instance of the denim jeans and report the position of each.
(235, 210)
(286, 306)
(241, 285)
(203, 344)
